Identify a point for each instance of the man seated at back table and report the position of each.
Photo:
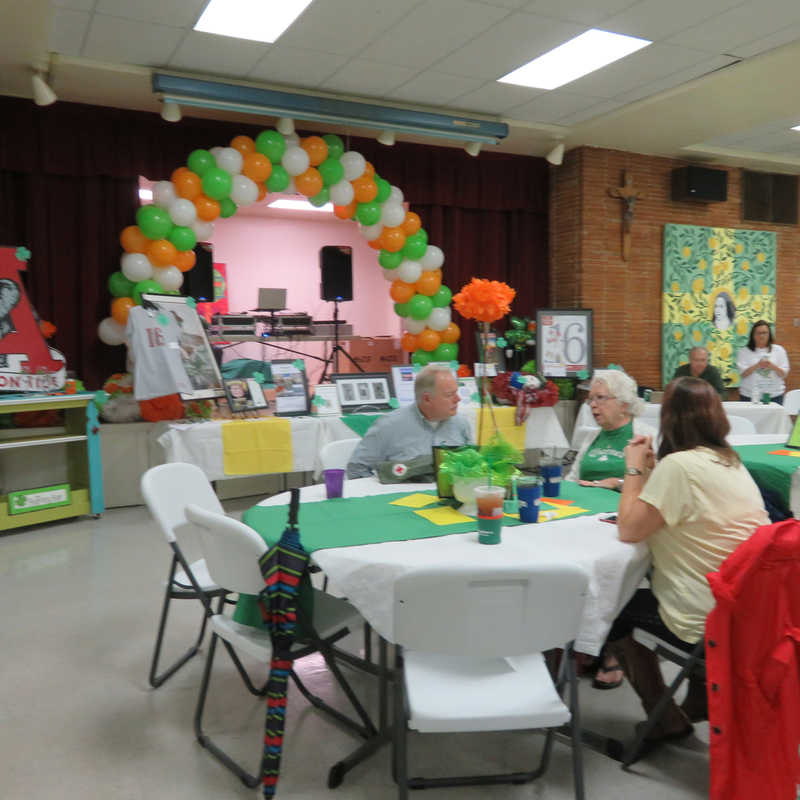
(698, 367)
(410, 432)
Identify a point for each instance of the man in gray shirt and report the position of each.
(412, 431)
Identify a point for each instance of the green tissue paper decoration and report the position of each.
(497, 458)
(529, 367)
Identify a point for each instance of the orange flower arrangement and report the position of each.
(484, 300)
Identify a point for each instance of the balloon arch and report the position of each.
(158, 250)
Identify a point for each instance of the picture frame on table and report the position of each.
(196, 354)
(291, 388)
(325, 401)
(246, 394)
(564, 341)
(364, 391)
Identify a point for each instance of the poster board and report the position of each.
(564, 341)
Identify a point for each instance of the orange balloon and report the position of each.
(429, 283)
(207, 209)
(133, 240)
(185, 259)
(317, 149)
(365, 189)
(411, 224)
(438, 273)
(262, 191)
(178, 171)
(450, 334)
(244, 144)
(376, 244)
(393, 239)
(162, 252)
(309, 183)
(345, 212)
(120, 306)
(409, 342)
(187, 183)
(428, 340)
(257, 167)
(401, 292)
(369, 171)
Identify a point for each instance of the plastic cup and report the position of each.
(529, 493)
(489, 500)
(766, 398)
(551, 475)
(334, 481)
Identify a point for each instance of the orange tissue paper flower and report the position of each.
(484, 300)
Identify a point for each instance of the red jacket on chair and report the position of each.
(753, 668)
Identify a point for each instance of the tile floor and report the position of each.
(79, 721)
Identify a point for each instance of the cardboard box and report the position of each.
(373, 354)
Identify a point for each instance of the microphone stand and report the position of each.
(333, 358)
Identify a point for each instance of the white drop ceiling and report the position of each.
(718, 84)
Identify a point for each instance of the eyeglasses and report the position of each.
(599, 398)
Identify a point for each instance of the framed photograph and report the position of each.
(403, 379)
(563, 341)
(325, 401)
(364, 391)
(196, 353)
(246, 394)
(291, 388)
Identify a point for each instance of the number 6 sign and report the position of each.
(563, 341)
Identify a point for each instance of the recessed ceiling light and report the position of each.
(578, 57)
(250, 19)
(298, 205)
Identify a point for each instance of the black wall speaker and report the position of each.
(700, 184)
(336, 267)
(198, 282)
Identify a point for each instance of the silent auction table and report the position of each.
(365, 573)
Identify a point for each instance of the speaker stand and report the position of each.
(333, 358)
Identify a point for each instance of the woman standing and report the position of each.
(763, 366)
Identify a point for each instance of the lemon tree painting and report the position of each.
(717, 283)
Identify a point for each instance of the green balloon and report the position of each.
(335, 145)
(144, 287)
(390, 260)
(421, 358)
(331, 170)
(368, 213)
(201, 161)
(227, 208)
(119, 285)
(154, 222)
(422, 234)
(402, 309)
(446, 351)
(420, 306)
(278, 180)
(271, 144)
(320, 199)
(442, 297)
(182, 237)
(384, 190)
(415, 246)
(217, 183)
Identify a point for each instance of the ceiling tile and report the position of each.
(495, 98)
(124, 41)
(76, 5)
(433, 28)
(587, 12)
(294, 66)
(512, 4)
(598, 109)
(553, 106)
(344, 27)
(368, 78)
(785, 35)
(507, 45)
(67, 31)
(220, 55)
(435, 88)
(178, 13)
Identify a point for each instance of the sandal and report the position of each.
(597, 684)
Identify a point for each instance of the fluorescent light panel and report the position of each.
(298, 205)
(796, 127)
(256, 20)
(572, 60)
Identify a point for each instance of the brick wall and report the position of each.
(586, 266)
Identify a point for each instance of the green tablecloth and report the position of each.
(360, 423)
(769, 471)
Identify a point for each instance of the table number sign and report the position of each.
(39, 499)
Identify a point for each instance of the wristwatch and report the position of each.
(633, 471)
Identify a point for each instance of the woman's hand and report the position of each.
(603, 483)
(639, 453)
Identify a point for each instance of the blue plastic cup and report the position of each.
(529, 494)
(551, 476)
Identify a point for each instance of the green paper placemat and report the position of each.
(360, 423)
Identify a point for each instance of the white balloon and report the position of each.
(392, 214)
(109, 331)
(439, 319)
(215, 151)
(290, 188)
(291, 139)
(202, 230)
(182, 211)
(395, 195)
(170, 278)
(390, 274)
(136, 267)
(414, 325)
(244, 192)
(354, 164)
(370, 232)
(295, 160)
(163, 193)
(409, 271)
(230, 160)
(342, 193)
(433, 258)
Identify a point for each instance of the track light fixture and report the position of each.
(285, 126)
(386, 137)
(170, 112)
(473, 148)
(556, 155)
(43, 95)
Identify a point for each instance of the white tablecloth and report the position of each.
(365, 574)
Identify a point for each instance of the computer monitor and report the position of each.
(271, 300)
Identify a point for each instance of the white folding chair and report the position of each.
(335, 455)
(232, 550)
(791, 401)
(741, 425)
(472, 659)
(166, 489)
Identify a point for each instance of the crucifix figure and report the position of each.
(629, 196)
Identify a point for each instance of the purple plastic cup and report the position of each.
(334, 480)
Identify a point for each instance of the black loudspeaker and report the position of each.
(700, 184)
(198, 282)
(336, 267)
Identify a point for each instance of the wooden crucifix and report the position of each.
(629, 196)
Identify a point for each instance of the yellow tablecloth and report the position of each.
(256, 446)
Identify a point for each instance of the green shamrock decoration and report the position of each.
(101, 398)
(298, 363)
(258, 377)
(23, 254)
(582, 374)
(162, 319)
(191, 302)
(393, 402)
